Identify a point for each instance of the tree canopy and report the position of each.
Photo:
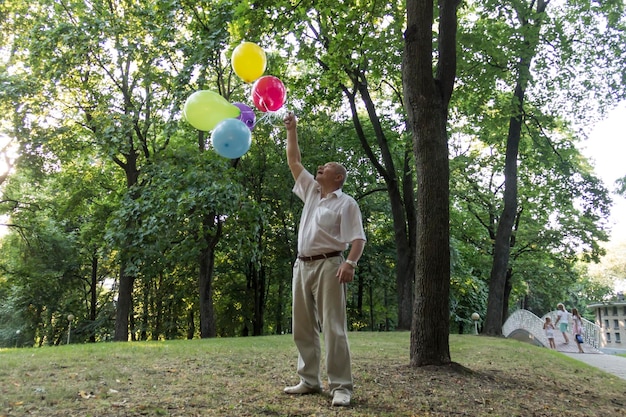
(123, 215)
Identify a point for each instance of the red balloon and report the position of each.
(268, 93)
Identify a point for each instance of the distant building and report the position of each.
(611, 317)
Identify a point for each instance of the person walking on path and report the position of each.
(330, 223)
(577, 329)
(562, 319)
(549, 329)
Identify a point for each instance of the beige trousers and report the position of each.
(319, 303)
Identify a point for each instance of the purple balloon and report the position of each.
(247, 115)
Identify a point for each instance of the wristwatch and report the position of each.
(352, 263)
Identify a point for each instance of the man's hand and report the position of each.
(294, 159)
(291, 122)
(345, 273)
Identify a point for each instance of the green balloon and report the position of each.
(204, 109)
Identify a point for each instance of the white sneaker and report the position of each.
(302, 388)
(341, 399)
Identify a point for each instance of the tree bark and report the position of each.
(496, 307)
(127, 280)
(124, 303)
(497, 280)
(426, 100)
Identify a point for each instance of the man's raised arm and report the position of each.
(294, 158)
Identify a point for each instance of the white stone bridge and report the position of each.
(525, 326)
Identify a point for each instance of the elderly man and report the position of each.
(330, 224)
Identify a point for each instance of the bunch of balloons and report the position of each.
(232, 123)
(268, 92)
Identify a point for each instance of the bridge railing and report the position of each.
(524, 319)
(592, 333)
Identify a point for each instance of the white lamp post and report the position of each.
(475, 317)
(17, 336)
(70, 318)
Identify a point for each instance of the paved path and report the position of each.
(572, 346)
(612, 364)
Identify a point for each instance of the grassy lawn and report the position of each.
(246, 376)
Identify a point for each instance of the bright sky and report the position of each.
(607, 148)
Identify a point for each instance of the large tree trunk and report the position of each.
(431, 313)
(124, 303)
(497, 280)
(127, 280)
(426, 100)
(496, 309)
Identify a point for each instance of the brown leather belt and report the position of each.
(318, 257)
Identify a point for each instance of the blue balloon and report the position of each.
(231, 138)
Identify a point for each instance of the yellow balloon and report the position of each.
(248, 61)
(204, 109)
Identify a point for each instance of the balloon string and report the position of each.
(274, 118)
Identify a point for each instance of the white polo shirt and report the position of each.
(327, 224)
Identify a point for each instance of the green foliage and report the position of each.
(557, 226)
(92, 93)
(562, 205)
(468, 287)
